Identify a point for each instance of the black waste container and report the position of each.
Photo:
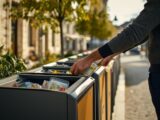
(59, 69)
(76, 103)
(66, 62)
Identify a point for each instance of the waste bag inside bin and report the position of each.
(42, 104)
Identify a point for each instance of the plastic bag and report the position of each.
(56, 84)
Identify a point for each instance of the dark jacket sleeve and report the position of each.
(137, 44)
(148, 19)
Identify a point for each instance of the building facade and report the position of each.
(23, 39)
(5, 26)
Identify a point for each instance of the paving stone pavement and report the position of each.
(138, 105)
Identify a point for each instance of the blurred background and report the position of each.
(42, 31)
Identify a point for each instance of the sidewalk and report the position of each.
(133, 101)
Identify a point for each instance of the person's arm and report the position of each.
(137, 44)
(148, 19)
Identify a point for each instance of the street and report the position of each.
(138, 105)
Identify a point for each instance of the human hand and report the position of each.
(80, 66)
(107, 59)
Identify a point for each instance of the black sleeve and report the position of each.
(148, 19)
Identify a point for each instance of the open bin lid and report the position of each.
(58, 71)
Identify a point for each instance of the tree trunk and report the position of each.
(61, 37)
(91, 45)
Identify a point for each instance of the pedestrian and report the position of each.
(146, 24)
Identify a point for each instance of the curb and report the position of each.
(119, 107)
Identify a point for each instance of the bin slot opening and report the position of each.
(69, 63)
(57, 66)
(55, 71)
(40, 78)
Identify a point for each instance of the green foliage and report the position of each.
(97, 24)
(10, 64)
(50, 58)
(48, 12)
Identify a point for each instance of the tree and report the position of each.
(49, 12)
(97, 24)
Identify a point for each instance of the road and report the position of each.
(138, 105)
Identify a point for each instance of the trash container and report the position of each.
(116, 68)
(75, 103)
(109, 91)
(113, 70)
(66, 62)
(61, 69)
(70, 60)
(100, 77)
(106, 81)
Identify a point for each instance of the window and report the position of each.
(53, 39)
(68, 26)
(14, 37)
(30, 39)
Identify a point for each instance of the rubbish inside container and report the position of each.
(59, 72)
(55, 84)
(31, 85)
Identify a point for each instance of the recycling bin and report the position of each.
(77, 102)
(70, 60)
(61, 62)
(100, 77)
(109, 91)
(61, 69)
(69, 63)
(115, 76)
(65, 62)
(106, 81)
(113, 70)
(116, 68)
